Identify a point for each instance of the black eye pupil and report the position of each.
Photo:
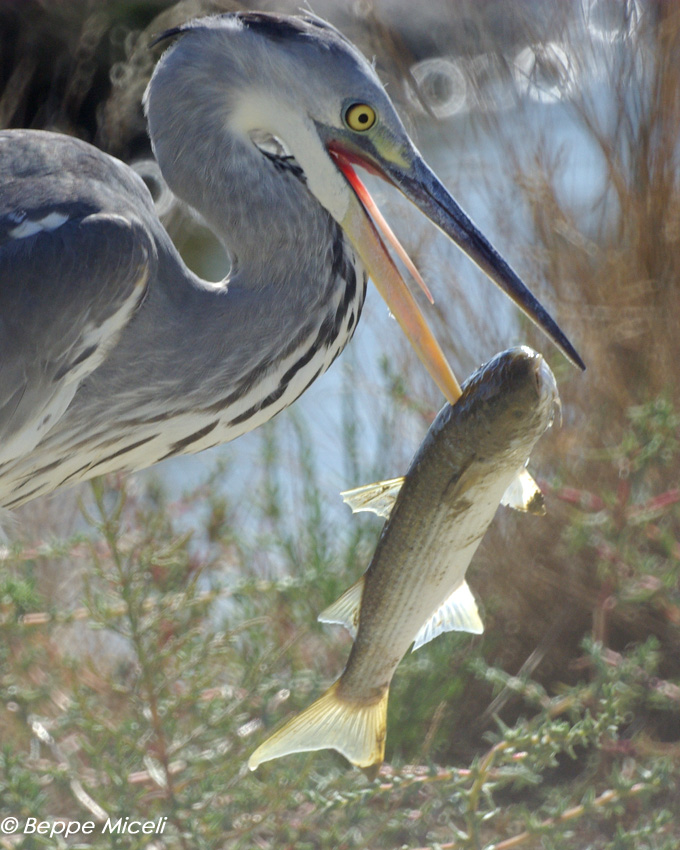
(363, 118)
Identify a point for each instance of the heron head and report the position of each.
(295, 87)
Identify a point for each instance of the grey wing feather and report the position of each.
(76, 254)
(65, 296)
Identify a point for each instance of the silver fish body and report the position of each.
(414, 587)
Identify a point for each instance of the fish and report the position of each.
(473, 457)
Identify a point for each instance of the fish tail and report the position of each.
(357, 730)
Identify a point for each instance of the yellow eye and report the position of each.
(360, 116)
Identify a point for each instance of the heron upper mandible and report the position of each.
(113, 354)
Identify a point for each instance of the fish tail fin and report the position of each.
(357, 730)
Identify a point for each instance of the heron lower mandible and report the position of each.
(113, 355)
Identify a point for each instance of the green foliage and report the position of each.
(633, 527)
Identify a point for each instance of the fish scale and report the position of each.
(398, 616)
(414, 588)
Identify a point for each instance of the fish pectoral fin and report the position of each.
(356, 730)
(524, 494)
(458, 614)
(345, 610)
(378, 497)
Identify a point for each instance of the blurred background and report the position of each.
(153, 628)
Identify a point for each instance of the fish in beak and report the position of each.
(408, 172)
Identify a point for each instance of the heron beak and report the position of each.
(412, 176)
(359, 226)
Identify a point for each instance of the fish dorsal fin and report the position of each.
(378, 497)
(345, 610)
(524, 494)
(458, 614)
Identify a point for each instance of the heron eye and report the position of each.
(360, 116)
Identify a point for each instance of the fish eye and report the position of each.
(360, 117)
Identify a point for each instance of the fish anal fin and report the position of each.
(457, 614)
(356, 730)
(378, 497)
(524, 494)
(345, 610)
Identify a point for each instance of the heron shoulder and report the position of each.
(45, 173)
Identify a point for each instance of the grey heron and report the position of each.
(113, 355)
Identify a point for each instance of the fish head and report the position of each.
(515, 399)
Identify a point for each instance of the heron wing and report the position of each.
(68, 287)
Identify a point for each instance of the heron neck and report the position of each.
(293, 267)
(289, 307)
(274, 230)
